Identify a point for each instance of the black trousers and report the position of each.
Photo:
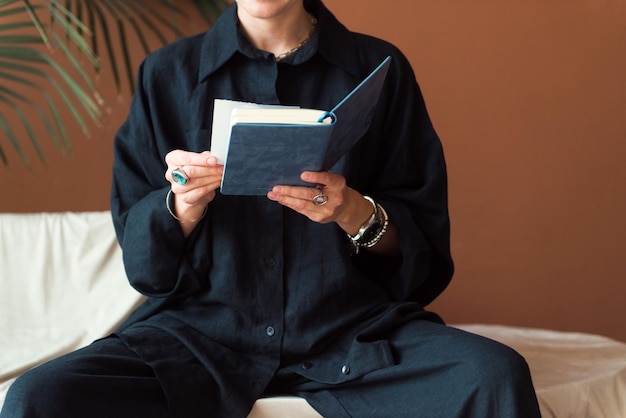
(441, 372)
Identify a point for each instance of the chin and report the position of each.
(265, 9)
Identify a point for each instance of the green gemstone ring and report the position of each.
(179, 176)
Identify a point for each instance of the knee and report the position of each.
(500, 371)
(39, 392)
(487, 360)
(500, 363)
(21, 399)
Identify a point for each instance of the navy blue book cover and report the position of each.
(261, 156)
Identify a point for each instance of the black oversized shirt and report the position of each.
(257, 287)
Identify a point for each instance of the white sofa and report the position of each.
(62, 285)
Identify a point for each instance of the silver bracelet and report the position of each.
(355, 238)
(378, 220)
(384, 222)
(167, 205)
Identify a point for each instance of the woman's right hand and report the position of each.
(205, 176)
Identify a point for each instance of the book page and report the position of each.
(220, 132)
(291, 116)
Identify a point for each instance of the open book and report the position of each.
(266, 145)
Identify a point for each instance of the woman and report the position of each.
(313, 291)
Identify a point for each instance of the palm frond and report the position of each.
(124, 22)
(53, 48)
(27, 45)
(42, 115)
(210, 10)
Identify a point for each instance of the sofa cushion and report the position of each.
(63, 286)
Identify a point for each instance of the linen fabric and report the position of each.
(258, 293)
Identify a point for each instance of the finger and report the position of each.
(212, 181)
(197, 195)
(186, 173)
(325, 179)
(302, 200)
(195, 172)
(177, 158)
(296, 192)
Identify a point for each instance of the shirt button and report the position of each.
(307, 365)
(345, 369)
(270, 331)
(270, 262)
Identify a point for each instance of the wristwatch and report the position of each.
(372, 230)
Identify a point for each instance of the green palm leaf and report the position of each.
(26, 45)
(210, 10)
(121, 22)
(31, 33)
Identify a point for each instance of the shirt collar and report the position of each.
(219, 43)
(335, 42)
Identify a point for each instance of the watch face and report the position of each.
(371, 232)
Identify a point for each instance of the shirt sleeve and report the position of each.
(159, 261)
(403, 168)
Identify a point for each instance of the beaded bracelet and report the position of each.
(167, 205)
(379, 220)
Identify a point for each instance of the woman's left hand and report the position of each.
(336, 202)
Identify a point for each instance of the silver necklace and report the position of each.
(306, 40)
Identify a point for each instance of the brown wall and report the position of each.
(529, 99)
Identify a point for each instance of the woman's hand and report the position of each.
(343, 205)
(204, 177)
(337, 203)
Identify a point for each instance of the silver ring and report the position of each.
(320, 200)
(179, 176)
